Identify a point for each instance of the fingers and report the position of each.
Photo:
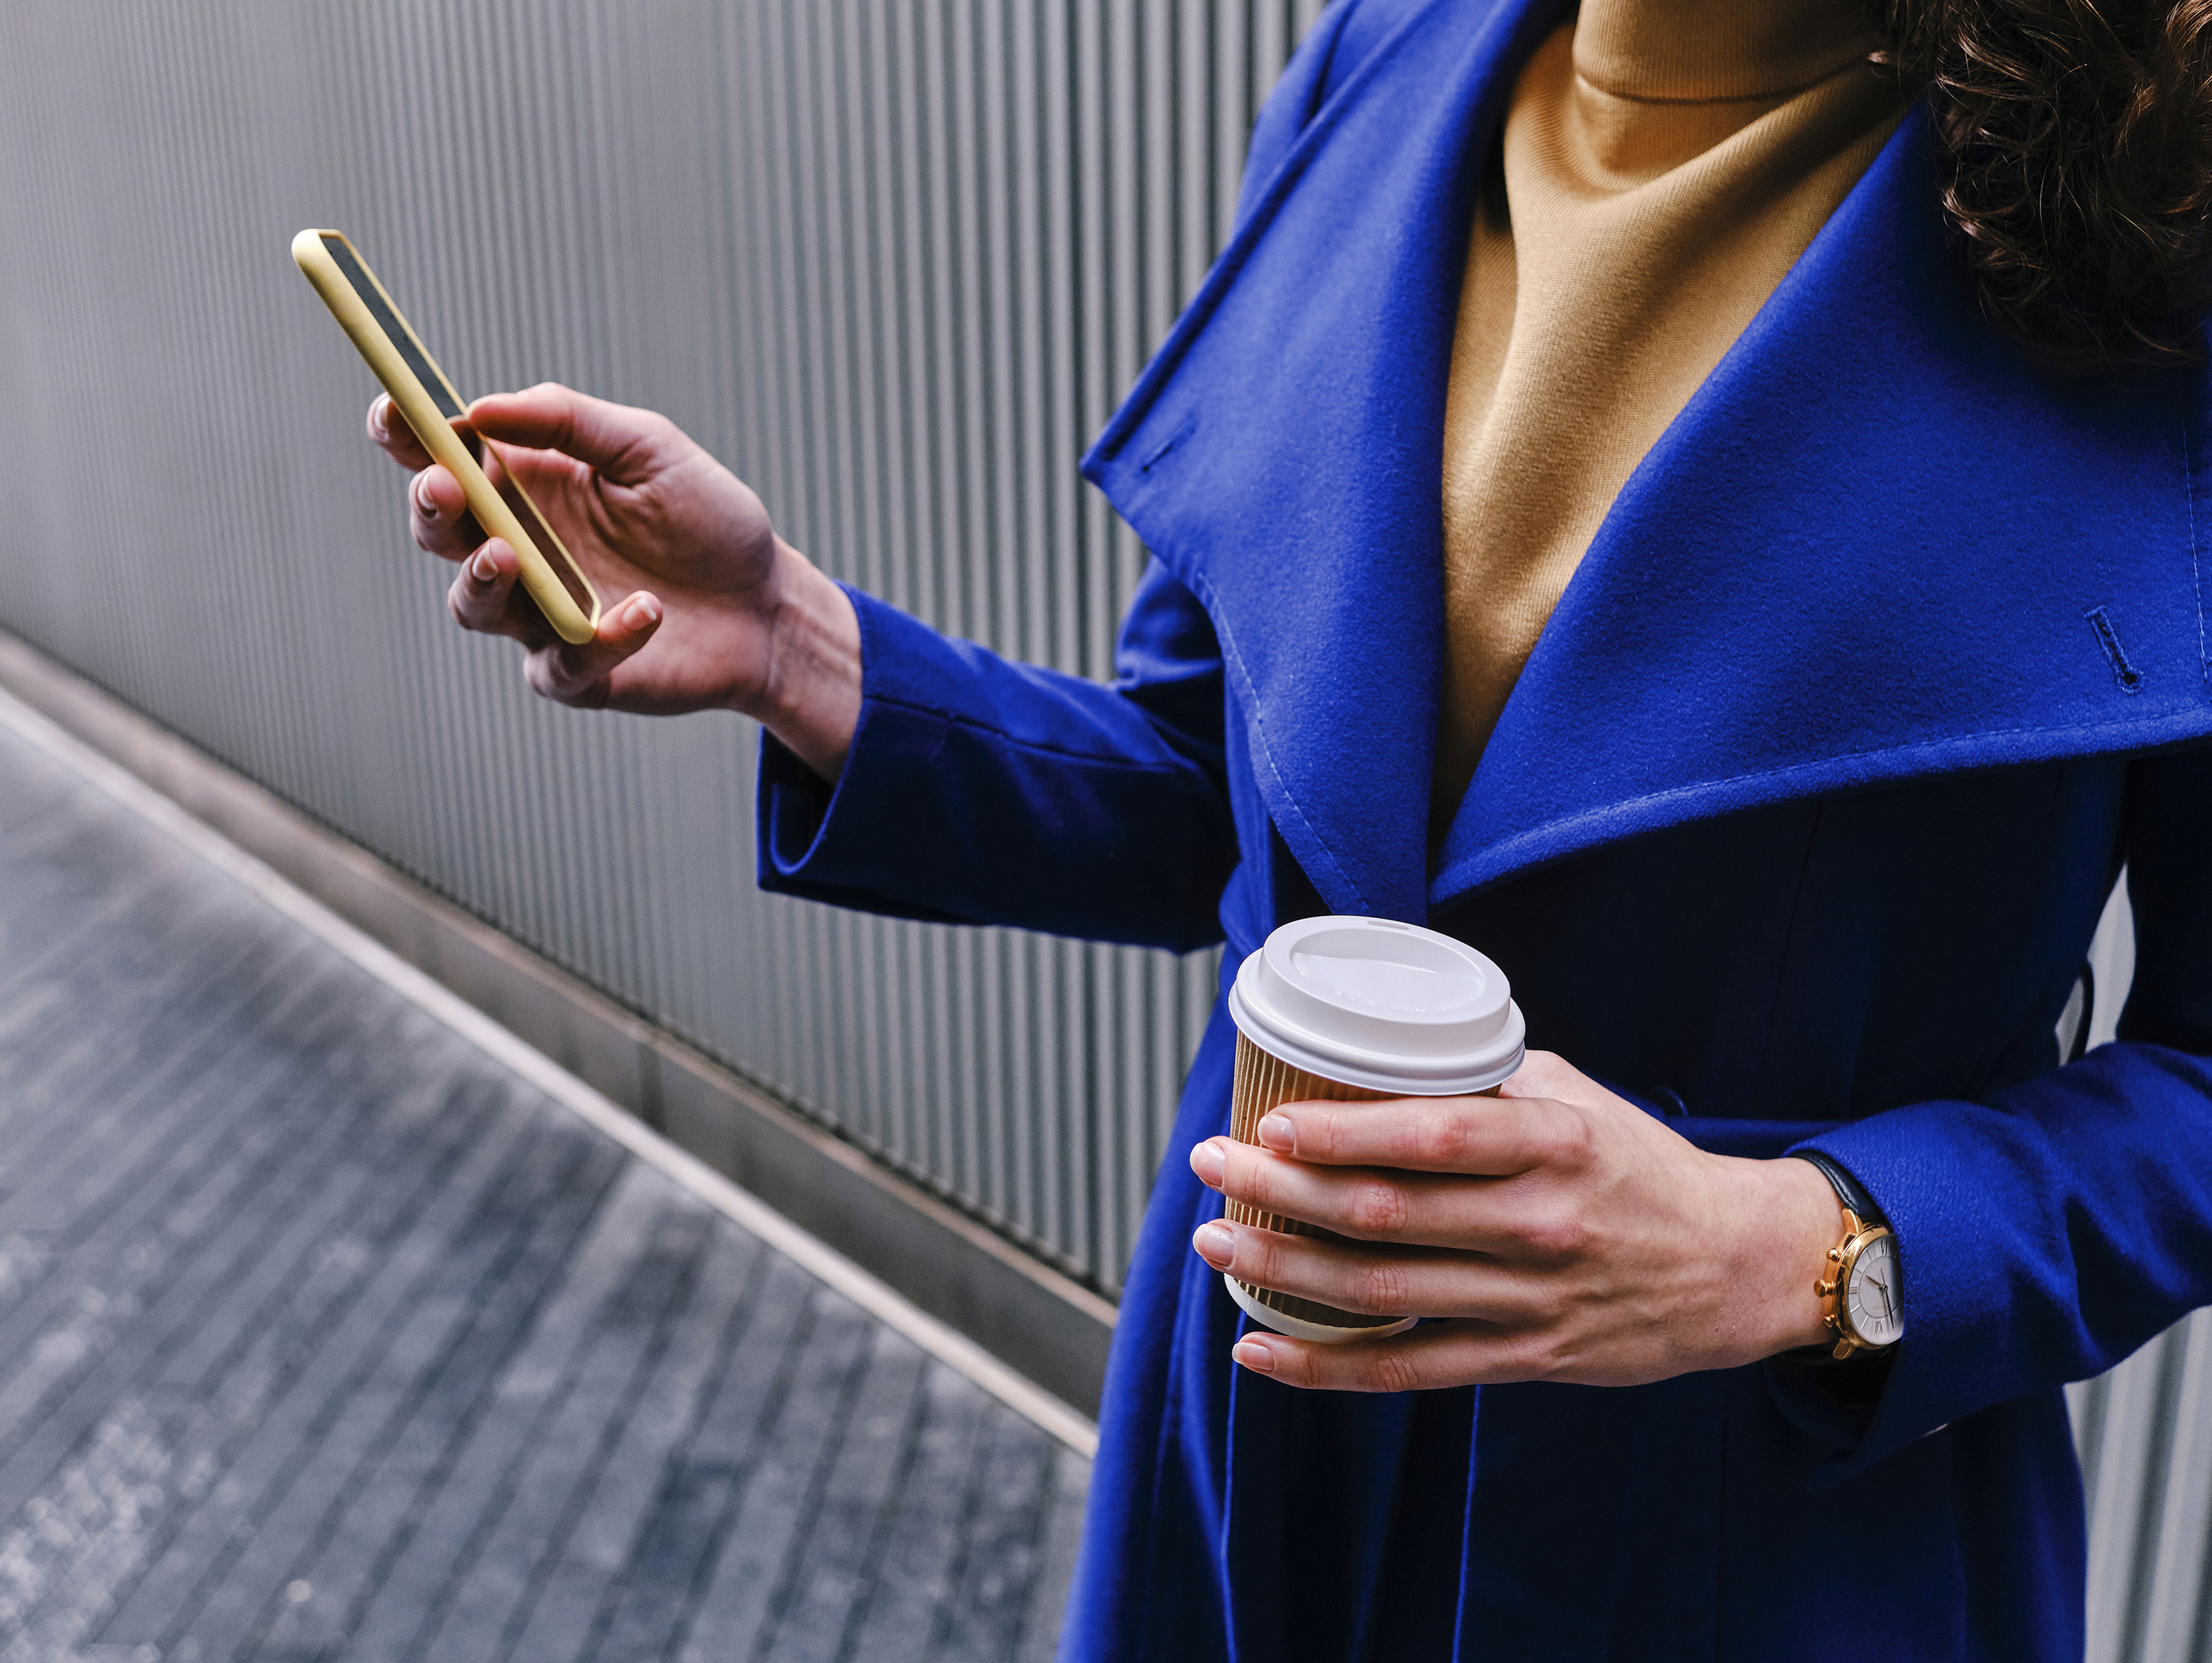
(486, 596)
(1495, 1136)
(1370, 1204)
(624, 444)
(583, 674)
(438, 515)
(389, 432)
(1374, 1281)
(1436, 1354)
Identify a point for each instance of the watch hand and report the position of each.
(1883, 1287)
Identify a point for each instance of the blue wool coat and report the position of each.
(1795, 828)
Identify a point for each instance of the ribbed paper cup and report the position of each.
(1350, 1011)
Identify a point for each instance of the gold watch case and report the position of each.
(1834, 1288)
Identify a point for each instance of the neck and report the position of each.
(1696, 51)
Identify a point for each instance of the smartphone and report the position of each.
(550, 574)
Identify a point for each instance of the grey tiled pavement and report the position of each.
(323, 1336)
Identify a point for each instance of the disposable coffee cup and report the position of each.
(1358, 1009)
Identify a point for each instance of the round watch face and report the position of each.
(1875, 1304)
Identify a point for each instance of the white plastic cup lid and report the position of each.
(1381, 1005)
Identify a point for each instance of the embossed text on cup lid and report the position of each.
(1381, 1005)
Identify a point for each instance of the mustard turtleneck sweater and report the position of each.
(1662, 165)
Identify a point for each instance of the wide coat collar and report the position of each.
(1877, 543)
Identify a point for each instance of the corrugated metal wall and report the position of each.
(2145, 1433)
(893, 260)
(2145, 1436)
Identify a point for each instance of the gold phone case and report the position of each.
(429, 402)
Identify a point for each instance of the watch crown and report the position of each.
(1823, 1289)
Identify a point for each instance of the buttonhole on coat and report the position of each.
(2128, 677)
(1183, 431)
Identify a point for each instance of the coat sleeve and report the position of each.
(2048, 1232)
(979, 791)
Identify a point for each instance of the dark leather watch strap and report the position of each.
(1849, 1190)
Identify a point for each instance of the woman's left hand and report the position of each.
(1566, 1235)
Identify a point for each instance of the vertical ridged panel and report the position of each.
(2145, 1433)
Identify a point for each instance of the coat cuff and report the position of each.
(1875, 1402)
(824, 840)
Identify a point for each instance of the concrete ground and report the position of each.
(323, 1335)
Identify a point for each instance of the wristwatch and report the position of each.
(1861, 1295)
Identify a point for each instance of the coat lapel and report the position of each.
(1879, 542)
(1282, 451)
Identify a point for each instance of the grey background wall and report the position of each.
(2144, 1432)
(891, 259)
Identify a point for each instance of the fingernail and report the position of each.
(1276, 1133)
(1207, 1161)
(423, 501)
(1215, 1244)
(643, 611)
(1254, 1354)
(481, 567)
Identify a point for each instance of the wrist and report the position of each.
(809, 690)
(1792, 1222)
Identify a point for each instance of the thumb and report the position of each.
(577, 674)
(626, 444)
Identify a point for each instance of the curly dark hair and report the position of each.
(2076, 138)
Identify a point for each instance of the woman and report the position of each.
(1701, 500)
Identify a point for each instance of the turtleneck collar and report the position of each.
(1716, 51)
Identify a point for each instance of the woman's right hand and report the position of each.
(715, 610)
